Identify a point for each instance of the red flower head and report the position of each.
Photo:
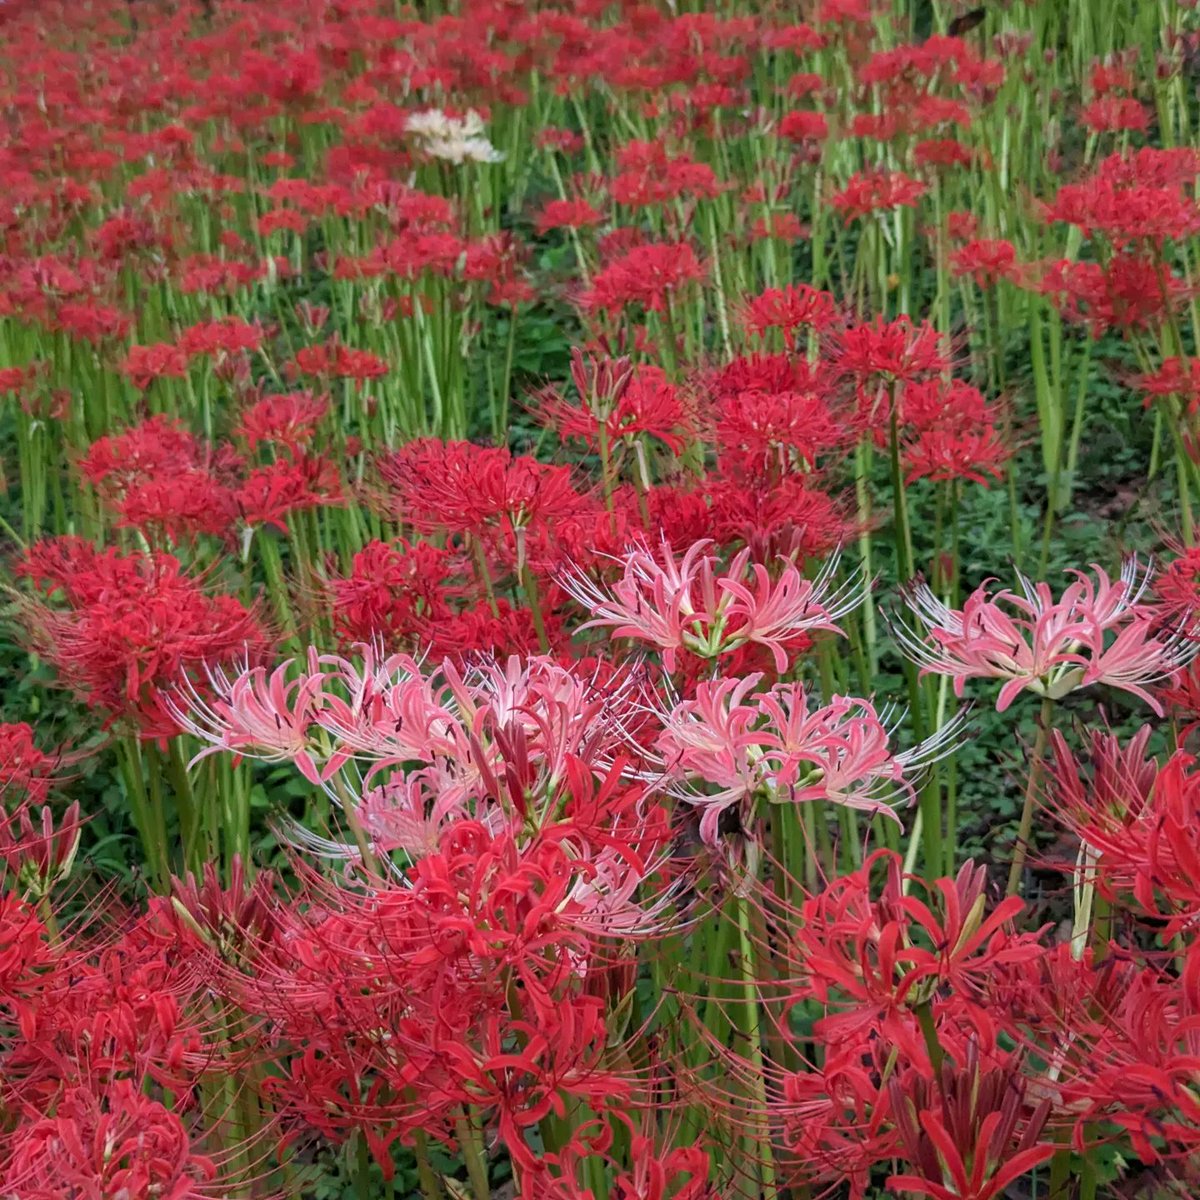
(1128, 293)
(290, 421)
(393, 591)
(485, 492)
(876, 191)
(970, 1134)
(620, 402)
(270, 494)
(567, 214)
(647, 275)
(884, 353)
(122, 627)
(115, 1142)
(804, 126)
(789, 310)
(161, 479)
(26, 772)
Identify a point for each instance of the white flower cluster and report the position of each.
(456, 139)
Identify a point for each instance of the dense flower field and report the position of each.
(601, 599)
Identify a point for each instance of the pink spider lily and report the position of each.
(841, 752)
(409, 812)
(711, 738)
(771, 744)
(1098, 631)
(387, 710)
(692, 605)
(255, 715)
(512, 746)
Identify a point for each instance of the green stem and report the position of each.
(534, 599)
(427, 1180)
(1025, 829)
(925, 1018)
(130, 760)
(471, 1139)
(766, 1167)
(902, 529)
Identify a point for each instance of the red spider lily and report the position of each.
(270, 495)
(1124, 210)
(337, 361)
(157, 476)
(1135, 820)
(1172, 848)
(40, 856)
(479, 933)
(501, 631)
(779, 227)
(496, 261)
(1119, 1037)
(619, 403)
(769, 373)
(681, 1174)
(290, 420)
(26, 958)
(646, 275)
(145, 364)
(948, 432)
(221, 918)
(14, 379)
(941, 152)
(117, 1142)
(1151, 167)
(1175, 377)
(393, 593)
(215, 338)
(876, 191)
(1129, 293)
(937, 403)
(1181, 696)
(1120, 1040)
(560, 1060)
(1110, 76)
(1107, 806)
(977, 455)
(888, 352)
(26, 772)
(214, 276)
(873, 962)
(1096, 632)
(766, 435)
(789, 309)
(649, 175)
(786, 518)
(177, 507)
(107, 1010)
(688, 606)
(804, 126)
(129, 626)
(1113, 114)
(567, 214)
(834, 1125)
(986, 260)
(970, 1134)
(486, 492)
